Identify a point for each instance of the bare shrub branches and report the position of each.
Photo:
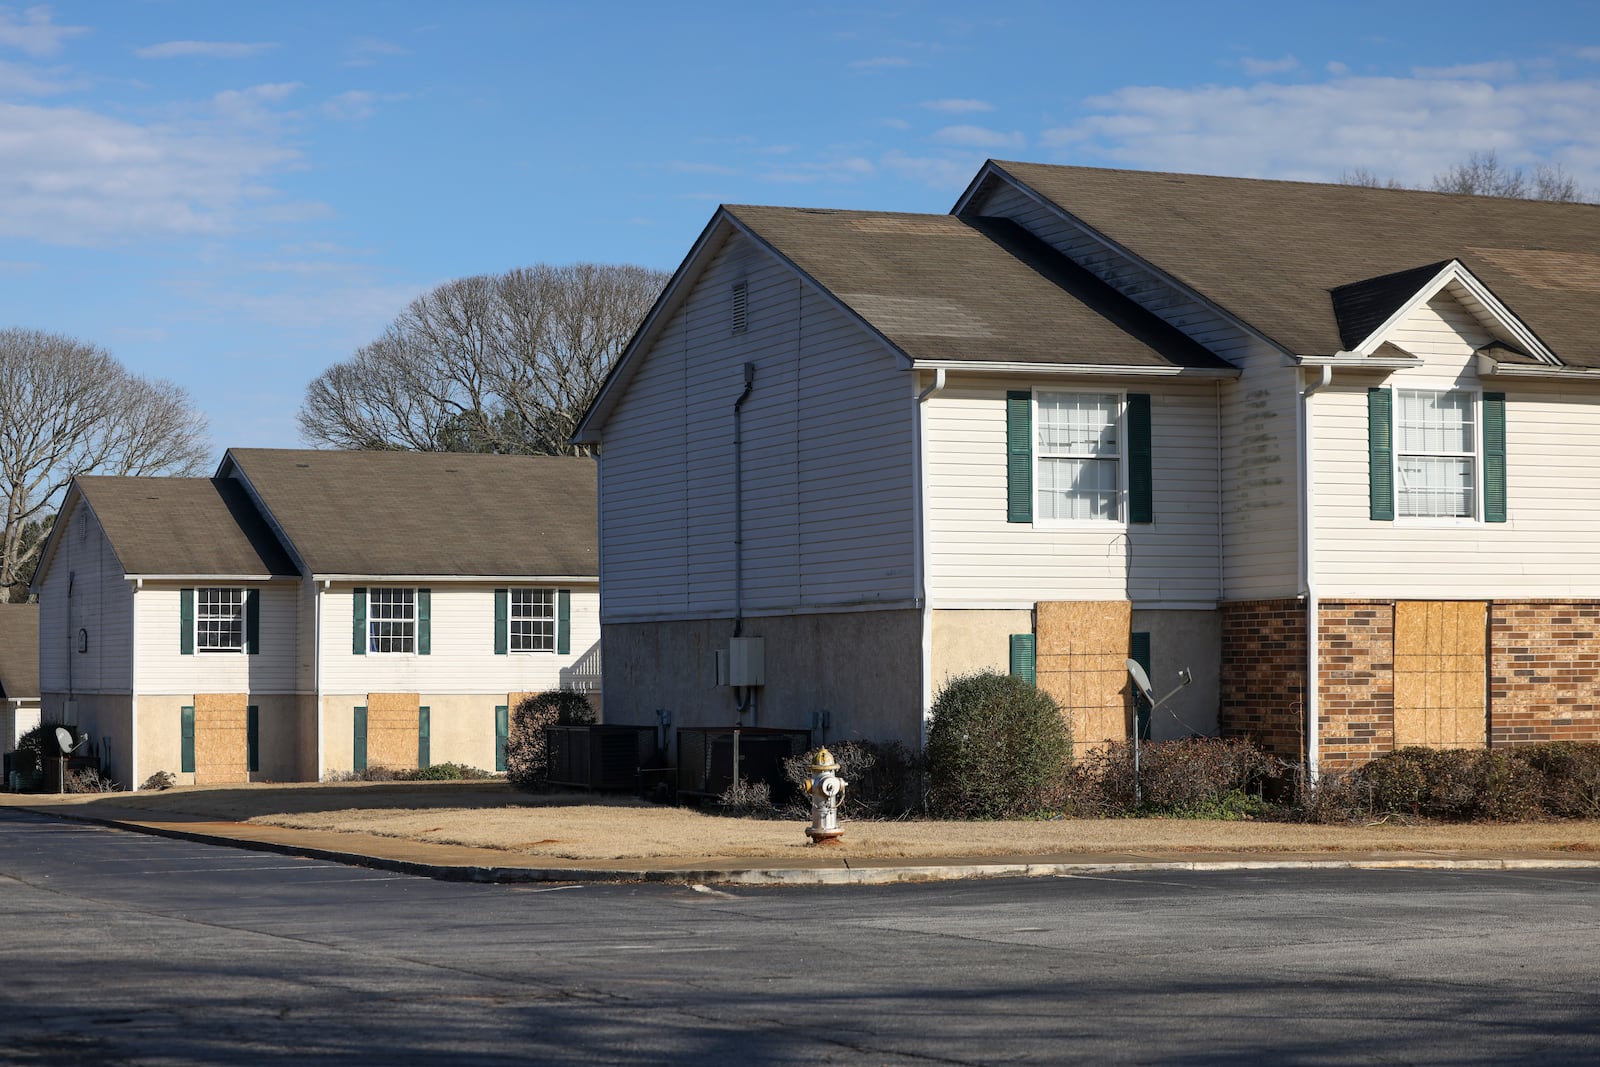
(493, 363)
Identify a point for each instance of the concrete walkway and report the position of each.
(821, 866)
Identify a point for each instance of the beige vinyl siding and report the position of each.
(1260, 542)
(1546, 549)
(101, 603)
(162, 667)
(462, 658)
(827, 482)
(978, 559)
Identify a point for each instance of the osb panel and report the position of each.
(392, 729)
(1081, 653)
(221, 738)
(1440, 667)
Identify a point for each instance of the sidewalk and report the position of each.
(819, 866)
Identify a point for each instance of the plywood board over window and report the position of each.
(1440, 670)
(1081, 661)
(392, 729)
(221, 738)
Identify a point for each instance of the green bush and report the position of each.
(527, 757)
(447, 772)
(33, 748)
(997, 748)
(883, 781)
(1197, 778)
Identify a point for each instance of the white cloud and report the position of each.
(1407, 128)
(33, 32)
(980, 137)
(881, 63)
(1589, 52)
(1260, 68)
(1337, 68)
(951, 172)
(204, 49)
(897, 124)
(76, 177)
(958, 107)
(19, 80)
(1496, 71)
(366, 51)
(357, 104)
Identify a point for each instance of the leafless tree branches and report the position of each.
(1484, 175)
(68, 408)
(502, 363)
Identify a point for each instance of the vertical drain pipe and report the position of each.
(742, 702)
(1308, 497)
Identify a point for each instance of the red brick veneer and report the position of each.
(1355, 650)
(1544, 671)
(1264, 675)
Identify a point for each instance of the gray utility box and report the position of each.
(600, 757)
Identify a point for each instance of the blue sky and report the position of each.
(235, 195)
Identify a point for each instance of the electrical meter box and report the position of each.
(744, 662)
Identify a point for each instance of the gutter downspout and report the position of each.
(742, 702)
(1308, 570)
(133, 688)
(920, 551)
(316, 667)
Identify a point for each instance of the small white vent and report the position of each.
(740, 306)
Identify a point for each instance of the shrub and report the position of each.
(997, 748)
(883, 780)
(1199, 778)
(527, 759)
(1560, 780)
(748, 799)
(447, 772)
(36, 746)
(1570, 774)
(160, 780)
(89, 780)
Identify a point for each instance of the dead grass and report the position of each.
(573, 827)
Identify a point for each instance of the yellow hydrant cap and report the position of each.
(823, 761)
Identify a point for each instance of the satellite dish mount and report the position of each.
(1141, 682)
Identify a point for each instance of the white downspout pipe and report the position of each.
(920, 539)
(1308, 569)
(319, 591)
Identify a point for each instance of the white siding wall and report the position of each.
(1546, 549)
(828, 488)
(462, 659)
(163, 669)
(1260, 466)
(978, 559)
(101, 602)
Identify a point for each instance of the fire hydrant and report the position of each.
(826, 790)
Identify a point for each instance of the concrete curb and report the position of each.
(799, 876)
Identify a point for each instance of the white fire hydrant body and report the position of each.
(826, 790)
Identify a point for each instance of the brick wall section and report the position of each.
(1263, 675)
(1544, 671)
(1355, 649)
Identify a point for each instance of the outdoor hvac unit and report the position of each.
(600, 757)
(708, 755)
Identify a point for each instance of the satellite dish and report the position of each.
(64, 739)
(1141, 680)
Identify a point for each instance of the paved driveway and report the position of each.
(121, 948)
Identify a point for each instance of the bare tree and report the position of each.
(1484, 175)
(491, 363)
(68, 408)
(1369, 179)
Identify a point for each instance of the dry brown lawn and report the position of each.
(491, 815)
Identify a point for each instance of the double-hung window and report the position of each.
(392, 620)
(219, 619)
(533, 620)
(1078, 455)
(1436, 454)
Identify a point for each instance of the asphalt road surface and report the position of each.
(121, 948)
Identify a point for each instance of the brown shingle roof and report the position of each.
(19, 651)
(429, 513)
(980, 290)
(1270, 252)
(184, 526)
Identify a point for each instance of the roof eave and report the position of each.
(1074, 369)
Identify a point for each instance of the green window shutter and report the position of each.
(186, 755)
(502, 625)
(358, 619)
(1022, 658)
(1141, 467)
(563, 622)
(1019, 455)
(424, 622)
(186, 623)
(359, 759)
(1139, 652)
(252, 621)
(502, 729)
(424, 745)
(1380, 454)
(1494, 457)
(252, 737)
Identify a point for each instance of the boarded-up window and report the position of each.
(1440, 673)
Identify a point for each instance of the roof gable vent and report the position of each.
(741, 292)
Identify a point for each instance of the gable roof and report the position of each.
(427, 513)
(1270, 253)
(19, 651)
(189, 527)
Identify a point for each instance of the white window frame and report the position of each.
(1474, 456)
(202, 617)
(409, 639)
(532, 641)
(1039, 455)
